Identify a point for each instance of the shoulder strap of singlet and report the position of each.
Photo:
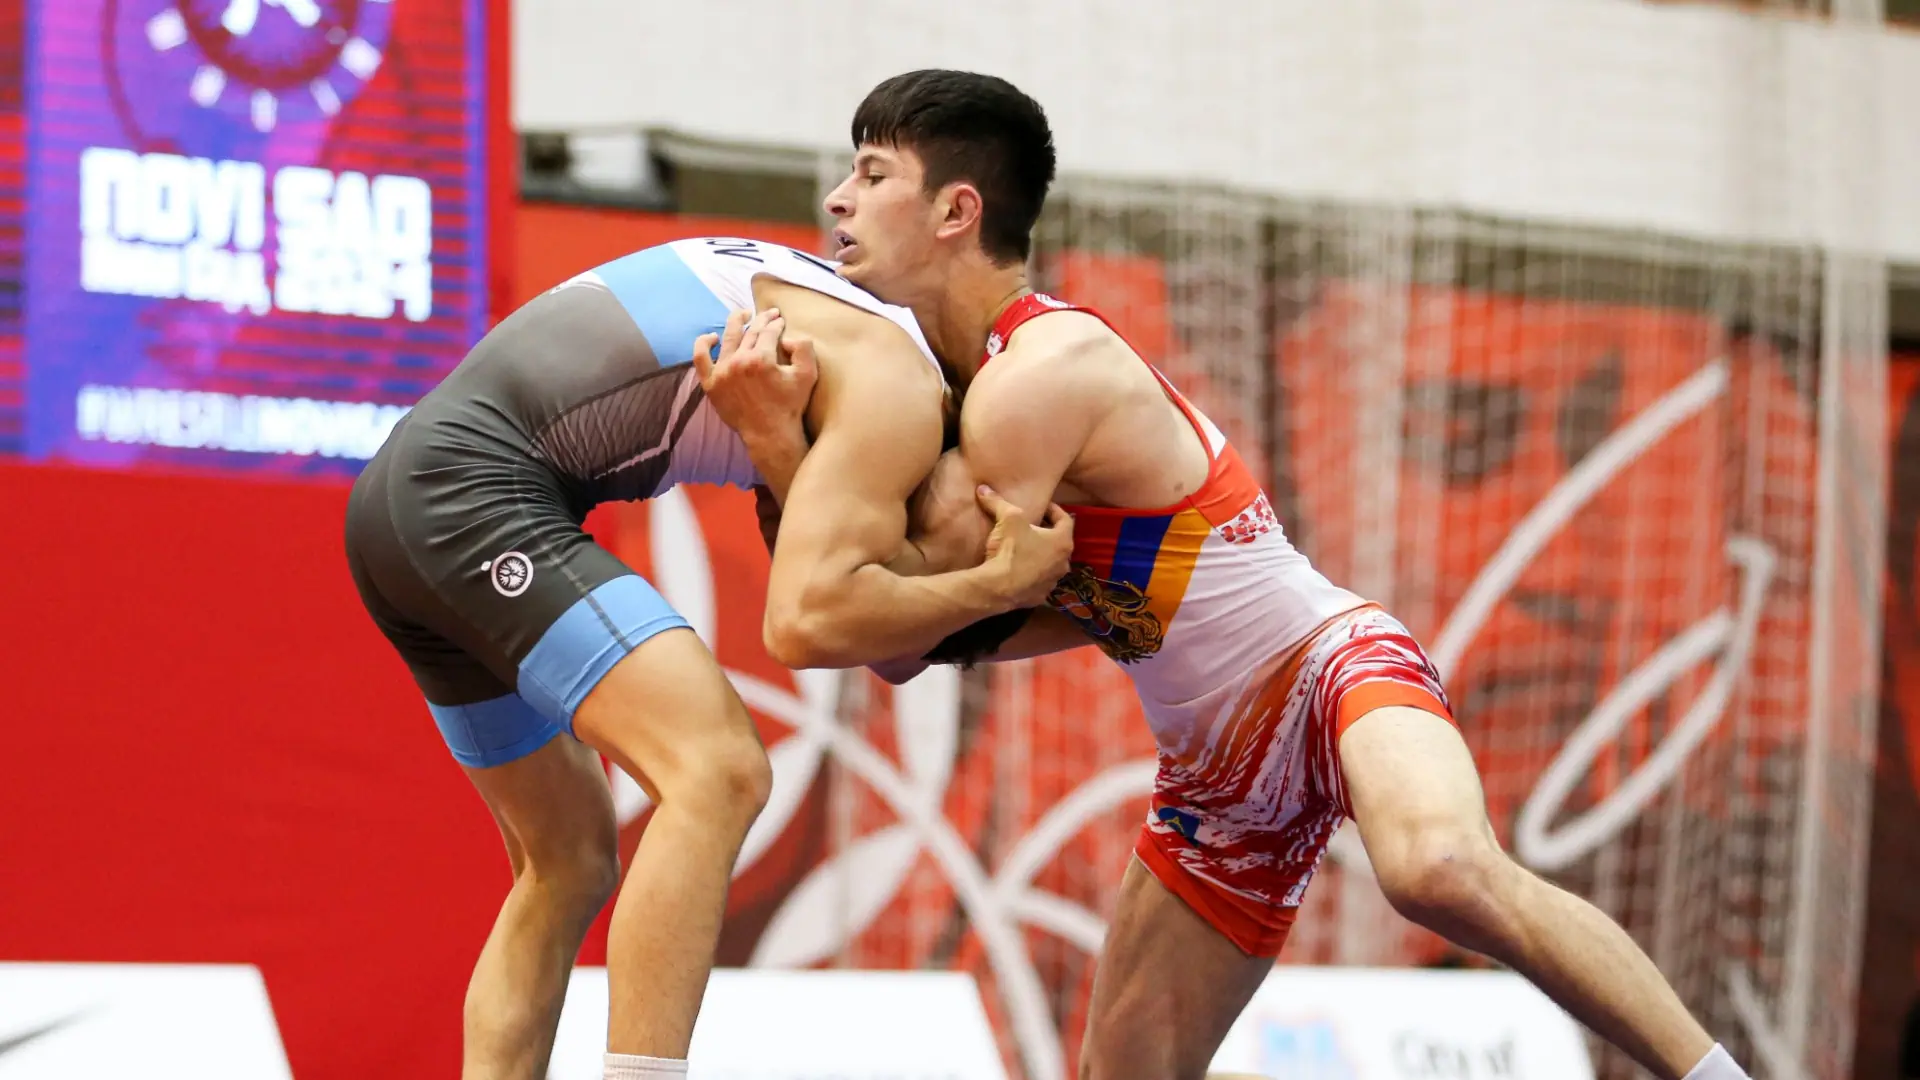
(1035, 304)
(1023, 309)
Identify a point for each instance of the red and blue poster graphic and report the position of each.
(256, 229)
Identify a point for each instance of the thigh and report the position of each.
(554, 809)
(1403, 767)
(667, 715)
(1168, 987)
(1410, 781)
(1403, 773)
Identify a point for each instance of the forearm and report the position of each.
(1014, 635)
(873, 615)
(777, 459)
(1046, 632)
(908, 561)
(1038, 632)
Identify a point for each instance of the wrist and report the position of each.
(785, 441)
(777, 459)
(993, 591)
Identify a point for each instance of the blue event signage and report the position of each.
(256, 228)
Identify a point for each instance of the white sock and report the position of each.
(1717, 1065)
(635, 1067)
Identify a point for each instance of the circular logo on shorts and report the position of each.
(511, 573)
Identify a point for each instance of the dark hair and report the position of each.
(972, 127)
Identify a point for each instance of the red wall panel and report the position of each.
(212, 756)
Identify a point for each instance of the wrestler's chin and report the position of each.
(854, 266)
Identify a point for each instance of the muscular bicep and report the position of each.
(1023, 428)
(879, 435)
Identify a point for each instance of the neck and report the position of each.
(957, 318)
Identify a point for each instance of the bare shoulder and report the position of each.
(854, 347)
(1064, 358)
(831, 322)
(1050, 382)
(1076, 336)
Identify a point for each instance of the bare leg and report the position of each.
(1417, 800)
(1167, 989)
(667, 715)
(556, 815)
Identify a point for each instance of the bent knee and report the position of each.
(729, 777)
(584, 873)
(1442, 873)
(740, 775)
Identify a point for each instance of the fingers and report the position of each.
(761, 341)
(703, 357)
(771, 326)
(800, 356)
(993, 504)
(745, 337)
(1055, 516)
(730, 337)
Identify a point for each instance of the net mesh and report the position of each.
(1587, 471)
(1626, 485)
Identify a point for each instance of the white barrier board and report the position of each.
(1310, 1023)
(806, 1025)
(154, 1021)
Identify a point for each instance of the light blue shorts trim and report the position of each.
(563, 667)
(493, 732)
(585, 642)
